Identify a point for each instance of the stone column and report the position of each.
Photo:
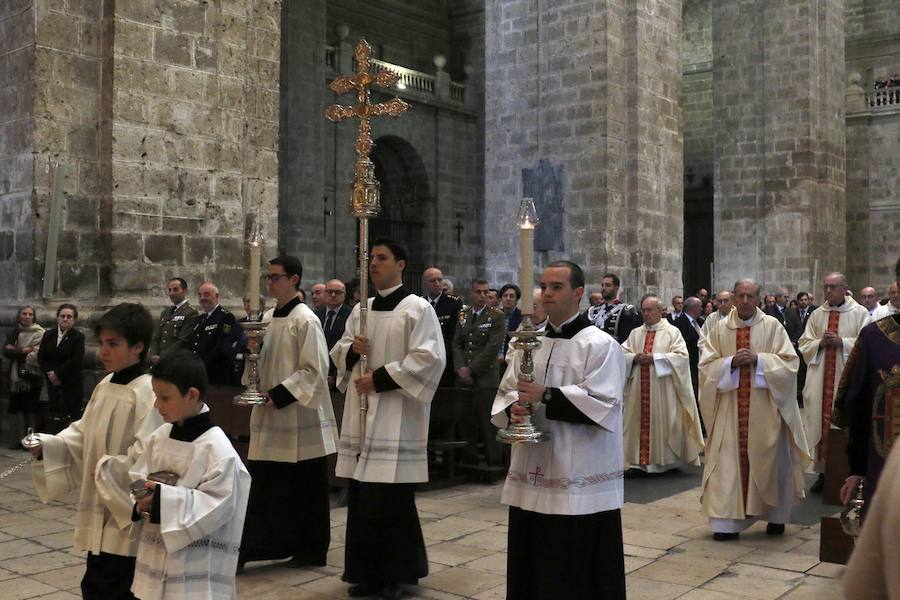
(160, 112)
(301, 205)
(583, 110)
(778, 96)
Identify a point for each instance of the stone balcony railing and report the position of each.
(412, 82)
(884, 97)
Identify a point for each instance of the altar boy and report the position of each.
(191, 527)
(117, 421)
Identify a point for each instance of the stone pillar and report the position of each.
(160, 112)
(301, 205)
(779, 141)
(583, 110)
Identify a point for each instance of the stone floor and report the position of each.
(669, 552)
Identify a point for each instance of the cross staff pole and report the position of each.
(364, 197)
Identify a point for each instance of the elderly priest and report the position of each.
(662, 426)
(756, 450)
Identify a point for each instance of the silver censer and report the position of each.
(524, 432)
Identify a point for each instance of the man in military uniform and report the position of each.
(447, 307)
(479, 335)
(215, 337)
(614, 316)
(176, 322)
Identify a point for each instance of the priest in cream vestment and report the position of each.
(756, 450)
(405, 350)
(830, 334)
(661, 422)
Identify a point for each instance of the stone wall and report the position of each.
(195, 122)
(594, 90)
(161, 113)
(17, 164)
(779, 141)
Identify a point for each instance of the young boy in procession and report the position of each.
(192, 512)
(117, 421)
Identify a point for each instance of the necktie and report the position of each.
(329, 321)
(172, 310)
(696, 327)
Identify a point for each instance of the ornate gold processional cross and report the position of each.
(364, 198)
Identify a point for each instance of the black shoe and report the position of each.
(633, 473)
(391, 591)
(361, 590)
(775, 529)
(818, 485)
(725, 537)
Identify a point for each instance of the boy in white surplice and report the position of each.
(191, 529)
(117, 421)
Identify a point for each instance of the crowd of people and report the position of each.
(747, 381)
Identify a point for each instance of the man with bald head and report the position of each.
(723, 309)
(892, 307)
(215, 337)
(333, 314)
(447, 307)
(868, 297)
(756, 450)
(830, 334)
(688, 323)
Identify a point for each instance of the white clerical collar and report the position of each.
(389, 291)
(563, 324)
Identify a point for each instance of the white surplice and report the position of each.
(192, 553)
(295, 355)
(579, 470)
(853, 317)
(675, 436)
(776, 443)
(406, 341)
(117, 421)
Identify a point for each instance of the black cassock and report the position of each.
(384, 537)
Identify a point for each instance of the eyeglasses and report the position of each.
(273, 277)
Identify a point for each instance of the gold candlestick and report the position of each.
(364, 197)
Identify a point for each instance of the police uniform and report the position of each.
(215, 341)
(476, 343)
(174, 330)
(616, 318)
(447, 307)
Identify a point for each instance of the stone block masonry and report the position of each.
(165, 116)
(593, 88)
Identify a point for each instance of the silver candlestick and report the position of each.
(251, 395)
(524, 431)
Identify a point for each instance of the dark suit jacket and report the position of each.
(337, 330)
(692, 340)
(790, 320)
(66, 360)
(447, 309)
(215, 340)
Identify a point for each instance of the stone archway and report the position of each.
(404, 188)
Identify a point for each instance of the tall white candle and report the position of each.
(526, 274)
(254, 276)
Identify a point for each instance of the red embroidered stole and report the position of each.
(828, 386)
(645, 402)
(743, 411)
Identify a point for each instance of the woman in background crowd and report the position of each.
(24, 374)
(61, 358)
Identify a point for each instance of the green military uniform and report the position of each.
(475, 345)
(174, 330)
